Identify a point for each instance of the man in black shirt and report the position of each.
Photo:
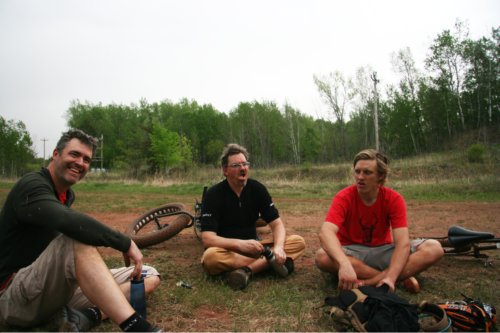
(229, 213)
(47, 250)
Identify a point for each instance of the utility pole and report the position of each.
(102, 152)
(375, 109)
(44, 140)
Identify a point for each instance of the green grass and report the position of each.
(438, 177)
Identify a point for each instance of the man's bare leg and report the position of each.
(327, 264)
(98, 285)
(428, 253)
(258, 265)
(150, 284)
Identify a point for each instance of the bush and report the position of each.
(475, 153)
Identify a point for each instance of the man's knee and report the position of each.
(432, 249)
(210, 261)
(85, 250)
(151, 283)
(323, 261)
(295, 246)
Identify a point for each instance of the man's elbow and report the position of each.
(404, 245)
(205, 239)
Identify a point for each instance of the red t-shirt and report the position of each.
(369, 226)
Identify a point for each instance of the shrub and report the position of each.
(476, 152)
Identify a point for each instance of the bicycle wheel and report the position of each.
(159, 224)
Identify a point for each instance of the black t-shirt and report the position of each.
(232, 217)
(32, 217)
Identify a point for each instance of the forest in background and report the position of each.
(453, 102)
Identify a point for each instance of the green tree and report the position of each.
(16, 149)
(165, 148)
(404, 65)
(481, 80)
(447, 60)
(214, 150)
(338, 92)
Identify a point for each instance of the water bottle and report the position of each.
(138, 296)
(269, 255)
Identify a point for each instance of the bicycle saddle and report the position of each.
(459, 236)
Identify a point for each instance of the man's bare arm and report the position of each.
(331, 245)
(279, 236)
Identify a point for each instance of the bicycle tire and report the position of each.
(178, 219)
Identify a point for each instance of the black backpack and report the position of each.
(371, 309)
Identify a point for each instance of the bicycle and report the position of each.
(162, 223)
(465, 242)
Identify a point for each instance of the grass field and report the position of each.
(440, 190)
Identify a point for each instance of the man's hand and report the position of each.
(279, 254)
(389, 282)
(135, 255)
(347, 277)
(250, 248)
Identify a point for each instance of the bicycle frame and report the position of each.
(461, 241)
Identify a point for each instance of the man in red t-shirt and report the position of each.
(365, 234)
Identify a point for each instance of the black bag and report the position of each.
(371, 309)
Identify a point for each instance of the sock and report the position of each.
(135, 323)
(248, 270)
(72, 320)
(93, 313)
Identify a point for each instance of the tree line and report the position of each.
(15, 149)
(456, 93)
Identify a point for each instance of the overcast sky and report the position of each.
(215, 52)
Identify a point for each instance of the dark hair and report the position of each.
(373, 155)
(232, 149)
(76, 134)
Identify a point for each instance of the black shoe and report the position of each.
(71, 320)
(239, 278)
(289, 265)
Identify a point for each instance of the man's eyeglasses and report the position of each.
(239, 165)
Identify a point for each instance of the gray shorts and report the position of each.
(378, 257)
(38, 291)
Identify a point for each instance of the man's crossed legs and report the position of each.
(370, 263)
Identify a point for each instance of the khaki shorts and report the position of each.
(378, 257)
(38, 291)
(217, 260)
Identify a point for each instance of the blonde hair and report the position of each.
(373, 155)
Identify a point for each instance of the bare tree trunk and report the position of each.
(413, 140)
(293, 141)
(375, 110)
(447, 115)
(489, 94)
